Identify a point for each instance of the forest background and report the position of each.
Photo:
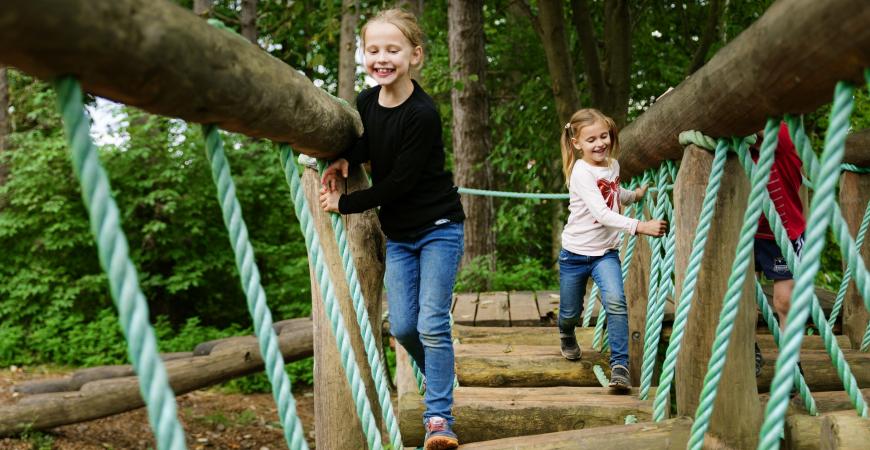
(502, 95)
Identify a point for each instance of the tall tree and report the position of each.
(248, 20)
(608, 75)
(347, 50)
(472, 142)
(202, 8)
(711, 32)
(4, 120)
(413, 6)
(549, 24)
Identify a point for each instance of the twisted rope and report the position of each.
(731, 302)
(656, 301)
(847, 276)
(255, 295)
(820, 217)
(379, 374)
(114, 255)
(330, 303)
(692, 270)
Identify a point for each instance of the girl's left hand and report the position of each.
(329, 199)
(639, 192)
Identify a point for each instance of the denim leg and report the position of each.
(573, 274)
(607, 273)
(440, 252)
(402, 279)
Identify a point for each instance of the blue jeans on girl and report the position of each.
(606, 271)
(419, 277)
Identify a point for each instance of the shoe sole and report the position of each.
(571, 357)
(622, 387)
(441, 443)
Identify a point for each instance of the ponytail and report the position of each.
(569, 157)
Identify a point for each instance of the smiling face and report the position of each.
(593, 141)
(389, 55)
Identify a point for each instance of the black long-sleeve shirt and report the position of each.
(409, 182)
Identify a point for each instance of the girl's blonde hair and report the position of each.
(580, 119)
(404, 21)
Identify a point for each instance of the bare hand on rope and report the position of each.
(654, 228)
(330, 179)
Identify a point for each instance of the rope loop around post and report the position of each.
(114, 255)
(255, 295)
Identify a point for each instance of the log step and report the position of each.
(670, 434)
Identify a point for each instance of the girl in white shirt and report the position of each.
(591, 237)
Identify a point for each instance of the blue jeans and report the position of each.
(606, 270)
(419, 277)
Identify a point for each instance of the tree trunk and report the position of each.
(203, 8)
(4, 120)
(413, 6)
(551, 19)
(582, 18)
(711, 29)
(347, 51)
(166, 60)
(617, 58)
(471, 133)
(737, 412)
(832, 34)
(248, 20)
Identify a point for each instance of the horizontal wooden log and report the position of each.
(826, 402)
(819, 371)
(858, 148)
(289, 325)
(803, 432)
(165, 60)
(107, 397)
(497, 365)
(845, 432)
(770, 69)
(670, 434)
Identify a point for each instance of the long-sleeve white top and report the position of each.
(594, 222)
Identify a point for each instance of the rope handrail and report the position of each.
(531, 195)
(255, 295)
(331, 308)
(114, 256)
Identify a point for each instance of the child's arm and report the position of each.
(584, 184)
(627, 197)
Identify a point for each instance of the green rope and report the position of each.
(330, 303)
(853, 168)
(255, 295)
(847, 276)
(526, 195)
(115, 260)
(599, 375)
(865, 342)
(379, 374)
(731, 302)
(820, 217)
(663, 286)
(692, 270)
(773, 325)
(590, 306)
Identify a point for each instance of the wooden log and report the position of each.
(493, 309)
(465, 308)
(550, 336)
(335, 418)
(166, 60)
(636, 291)
(854, 198)
(671, 434)
(858, 148)
(845, 432)
(737, 414)
(107, 397)
(819, 372)
(206, 347)
(804, 432)
(524, 309)
(495, 365)
(767, 75)
(826, 401)
(490, 413)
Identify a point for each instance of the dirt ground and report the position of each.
(211, 419)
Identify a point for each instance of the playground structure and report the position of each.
(167, 61)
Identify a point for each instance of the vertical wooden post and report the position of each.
(336, 423)
(854, 194)
(636, 290)
(737, 415)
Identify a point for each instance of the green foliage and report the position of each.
(301, 373)
(527, 274)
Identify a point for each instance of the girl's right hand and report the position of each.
(330, 179)
(654, 228)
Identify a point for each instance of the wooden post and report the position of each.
(854, 195)
(737, 415)
(636, 291)
(335, 417)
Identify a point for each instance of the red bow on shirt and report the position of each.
(610, 191)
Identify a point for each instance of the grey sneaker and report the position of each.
(439, 435)
(570, 348)
(620, 378)
(759, 361)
